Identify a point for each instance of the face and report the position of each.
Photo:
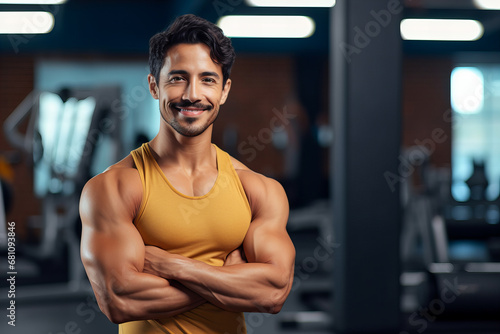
(190, 89)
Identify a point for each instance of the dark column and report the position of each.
(366, 113)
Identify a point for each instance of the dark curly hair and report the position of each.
(191, 29)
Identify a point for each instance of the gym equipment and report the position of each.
(66, 132)
(311, 231)
(453, 286)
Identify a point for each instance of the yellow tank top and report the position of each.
(205, 228)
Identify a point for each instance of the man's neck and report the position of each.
(191, 153)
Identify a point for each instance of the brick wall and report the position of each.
(16, 82)
(262, 87)
(426, 105)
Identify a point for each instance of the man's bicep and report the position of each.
(110, 241)
(113, 254)
(267, 240)
(269, 245)
(107, 252)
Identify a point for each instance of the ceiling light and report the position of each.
(441, 30)
(32, 2)
(487, 4)
(26, 22)
(267, 26)
(291, 3)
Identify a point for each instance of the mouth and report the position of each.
(190, 111)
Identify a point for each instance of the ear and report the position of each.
(225, 91)
(153, 87)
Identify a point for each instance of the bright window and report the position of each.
(475, 99)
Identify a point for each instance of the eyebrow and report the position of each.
(177, 72)
(210, 74)
(203, 74)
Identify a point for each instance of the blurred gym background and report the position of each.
(381, 118)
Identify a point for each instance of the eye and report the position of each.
(176, 79)
(209, 80)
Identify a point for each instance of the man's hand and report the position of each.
(235, 257)
(162, 263)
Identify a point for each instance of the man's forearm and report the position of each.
(140, 296)
(249, 287)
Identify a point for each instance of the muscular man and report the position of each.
(179, 237)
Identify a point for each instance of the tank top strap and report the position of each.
(223, 160)
(225, 167)
(142, 164)
(138, 156)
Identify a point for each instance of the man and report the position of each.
(179, 237)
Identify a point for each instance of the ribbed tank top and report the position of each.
(205, 228)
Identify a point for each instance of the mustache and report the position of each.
(187, 104)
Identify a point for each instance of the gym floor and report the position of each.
(80, 315)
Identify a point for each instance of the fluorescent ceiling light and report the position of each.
(32, 2)
(487, 4)
(267, 26)
(441, 30)
(291, 3)
(26, 22)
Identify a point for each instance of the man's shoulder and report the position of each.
(119, 181)
(246, 174)
(115, 173)
(258, 187)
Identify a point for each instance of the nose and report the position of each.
(192, 93)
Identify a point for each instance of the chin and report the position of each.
(189, 131)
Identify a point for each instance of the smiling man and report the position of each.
(179, 237)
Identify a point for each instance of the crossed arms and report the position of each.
(136, 282)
